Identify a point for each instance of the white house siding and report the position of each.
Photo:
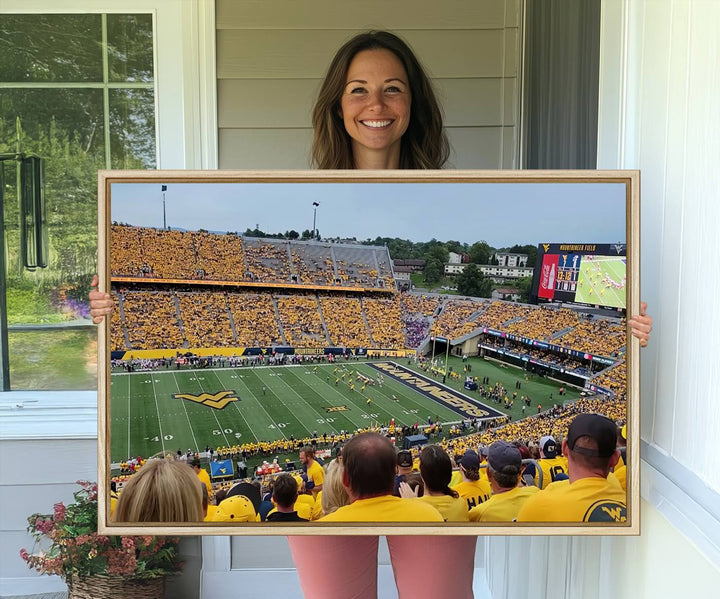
(660, 80)
(271, 57)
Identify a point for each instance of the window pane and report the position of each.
(54, 359)
(132, 128)
(52, 344)
(65, 127)
(74, 116)
(130, 47)
(50, 48)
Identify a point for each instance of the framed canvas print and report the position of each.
(369, 352)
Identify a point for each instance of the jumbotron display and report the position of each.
(591, 274)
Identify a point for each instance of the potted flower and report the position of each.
(95, 565)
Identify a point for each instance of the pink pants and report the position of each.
(346, 567)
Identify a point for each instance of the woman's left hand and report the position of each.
(641, 325)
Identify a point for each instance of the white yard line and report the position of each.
(222, 430)
(263, 409)
(157, 409)
(235, 404)
(306, 403)
(192, 431)
(128, 411)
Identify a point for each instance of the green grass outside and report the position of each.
(31, 306)
(53, 359)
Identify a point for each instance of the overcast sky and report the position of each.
(502, 214)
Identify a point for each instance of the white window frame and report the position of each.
(186, 138)
(185, 88)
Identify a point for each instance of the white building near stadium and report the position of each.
(495, 272)
(510, 259)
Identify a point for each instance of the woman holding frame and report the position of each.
(376, 109)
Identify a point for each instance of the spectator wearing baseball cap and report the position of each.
(473, 489)
(237, 508)
(504, 470)
(403, 467)
(588, 495)
(554, 467)
(241, 504)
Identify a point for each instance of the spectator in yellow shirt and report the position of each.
(369, 478)
(589, 495)
(504, 471)
(202, 475)
(315, 472)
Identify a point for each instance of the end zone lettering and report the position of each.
(451, 399)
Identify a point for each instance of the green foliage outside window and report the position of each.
(76, 90)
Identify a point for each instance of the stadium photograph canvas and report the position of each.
(369, 352)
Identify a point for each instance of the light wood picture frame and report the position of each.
(563, 214)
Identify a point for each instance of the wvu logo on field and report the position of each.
(337, 409)
(217, 401)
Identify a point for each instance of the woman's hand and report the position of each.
(641, 325)
(406, 491)
(101, 304)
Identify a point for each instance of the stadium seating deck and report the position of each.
(157, 316)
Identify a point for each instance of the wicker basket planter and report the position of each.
(116, 587)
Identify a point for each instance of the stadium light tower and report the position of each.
(164, 189)
(314, 229)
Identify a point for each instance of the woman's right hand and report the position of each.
(101, 304)
(407, 492)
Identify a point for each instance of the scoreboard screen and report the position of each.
(591, 274)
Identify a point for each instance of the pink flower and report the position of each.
(128, 543)
(121, 562)
(53, 566)
(92, 492)
(43, 526)
(72, 554)
(59, 512)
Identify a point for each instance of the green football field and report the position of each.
(593, 286)
(148, 418)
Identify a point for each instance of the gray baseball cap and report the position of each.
(502, 454)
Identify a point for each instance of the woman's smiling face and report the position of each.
(375, 106)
